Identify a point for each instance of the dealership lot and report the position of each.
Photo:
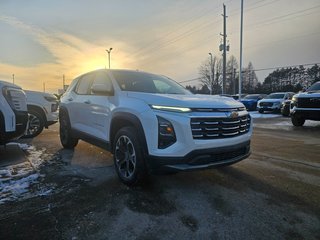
(48, 192)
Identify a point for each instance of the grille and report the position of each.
(266, 104)
(309, 102)
(18, 99)
(214, 128)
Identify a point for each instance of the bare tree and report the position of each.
(232, 66)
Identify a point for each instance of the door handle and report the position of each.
(70, 99)
(87, 102)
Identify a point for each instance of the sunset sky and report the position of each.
(41, 40)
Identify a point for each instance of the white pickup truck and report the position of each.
(13, 112)
(150, 123)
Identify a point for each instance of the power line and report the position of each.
(155, 46)
(260, 69)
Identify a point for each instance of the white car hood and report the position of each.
(190, 101)
(272, 100)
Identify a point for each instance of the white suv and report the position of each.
(13, 112)
(152, 124)
(43, 112)
(273, 101)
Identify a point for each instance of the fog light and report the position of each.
(166, 134)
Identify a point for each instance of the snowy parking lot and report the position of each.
(51, 193)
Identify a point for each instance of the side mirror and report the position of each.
(102, 89)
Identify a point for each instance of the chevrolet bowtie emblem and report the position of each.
(234, 115)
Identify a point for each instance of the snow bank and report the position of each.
(16, 181)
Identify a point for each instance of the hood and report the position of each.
(248, 100)
(308, 94)
(190, 101)
(272, 100)
(7, 84)
(36, 93)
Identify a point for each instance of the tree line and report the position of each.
(282, 79)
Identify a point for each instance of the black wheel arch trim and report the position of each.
(122, 119)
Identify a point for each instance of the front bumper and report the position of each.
(269, 108)
(200, 159)
(21, 119)
(305, 113)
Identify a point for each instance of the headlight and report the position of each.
(294, 102)
(50, 99)
(166, 134)
(170, 109)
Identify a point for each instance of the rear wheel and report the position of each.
(297, 121)
(36, 124)
(66, 138)
(128, 157)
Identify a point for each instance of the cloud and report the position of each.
(73, 56)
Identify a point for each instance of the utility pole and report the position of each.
(210, 73)
(63, 83)
(234, 81)
(223, 47)
(241, 31)
(13, 78)
(44, 87)
(109, 52)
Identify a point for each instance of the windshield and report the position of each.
(251, 97)
(147, 82)
(314, 87)
(275, 96)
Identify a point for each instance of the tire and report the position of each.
(297, 121)
(66, 138)
(36, 124)
(128, 157)
(261, 111)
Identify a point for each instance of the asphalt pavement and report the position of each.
(274, 194)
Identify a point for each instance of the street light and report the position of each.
(210, 89)
(109, 51)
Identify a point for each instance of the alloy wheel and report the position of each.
(125, 157)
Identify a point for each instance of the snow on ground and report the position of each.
(308, 123)
(263, 115)
(16, 181)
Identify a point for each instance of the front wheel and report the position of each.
(36, 124)
(128, 157)
(66, 138)
(297, 121)
(261, 111)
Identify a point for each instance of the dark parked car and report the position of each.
(250, 101)
(306, 105)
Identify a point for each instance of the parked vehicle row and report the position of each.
(300, 107)
(24, 113)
